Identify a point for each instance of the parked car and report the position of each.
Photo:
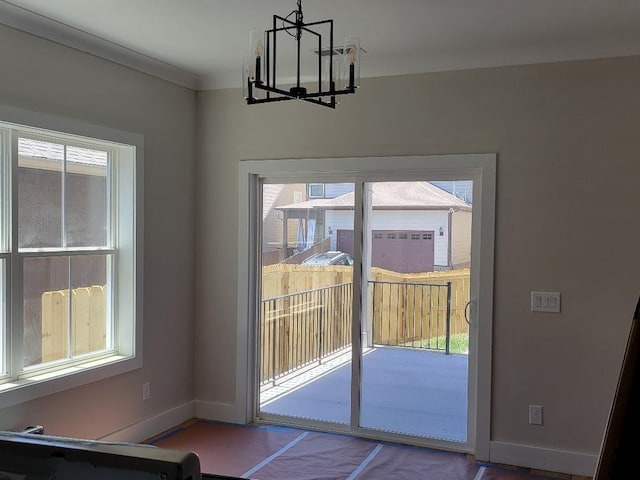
(329, 258)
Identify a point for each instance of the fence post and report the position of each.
(372, 341)
(448, 320)
(321, 311)
(274, 343)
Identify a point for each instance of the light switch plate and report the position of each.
(545, 302)
(535, 414)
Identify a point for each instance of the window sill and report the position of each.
(39, 385)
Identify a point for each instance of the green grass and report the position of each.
(459, 343)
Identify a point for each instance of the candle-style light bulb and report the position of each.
(351, 62)
(256, 50)
(352, 66)
(259, 51)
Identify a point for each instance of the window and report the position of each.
(69, 278)
(316, 190)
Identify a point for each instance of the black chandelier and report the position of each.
(335, 72)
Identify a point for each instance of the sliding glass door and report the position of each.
(367, 299)
(305, 315)
(415, 355)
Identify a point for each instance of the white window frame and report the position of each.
(21, 384)
(311, 185)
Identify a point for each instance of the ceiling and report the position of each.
(200, 43)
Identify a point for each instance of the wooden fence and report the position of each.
(406, 310)
(430, 304)
(409, 317)
(87, 331)
(278, 280)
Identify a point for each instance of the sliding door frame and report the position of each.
(481, 168)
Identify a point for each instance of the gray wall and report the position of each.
(568, 149)
(45, 77)
(567, 183)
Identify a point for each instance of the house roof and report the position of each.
(390, 196)
(49, 156)
(55, 152)
(270, 192)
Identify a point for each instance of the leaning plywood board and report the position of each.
(616, 454)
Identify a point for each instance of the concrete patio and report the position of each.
(404, 390)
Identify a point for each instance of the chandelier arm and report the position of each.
(316, 23)
(332, 85)
(315, 101)
(293, 25)
(306, 95)
(279, 91)
(251, 101)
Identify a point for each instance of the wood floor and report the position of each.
(272, 452)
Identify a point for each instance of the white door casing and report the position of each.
(481, 168)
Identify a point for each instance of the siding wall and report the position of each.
(275, 195)
(461, 239)
(337, 220)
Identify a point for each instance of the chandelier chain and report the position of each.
(299, 21)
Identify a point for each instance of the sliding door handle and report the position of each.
(467, 308)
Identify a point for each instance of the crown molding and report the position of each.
(41, 26)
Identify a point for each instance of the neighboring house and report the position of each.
(416, 226)
(275, 195)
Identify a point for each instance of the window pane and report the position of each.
(305, 311)
(418, 287)
(46, 309)
(90, 329)
(316, 190)
(58, 318)
(4, 193)
(3, 310)
(86, 197)
(40, 166)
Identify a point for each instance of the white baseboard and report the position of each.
(152, 426)
(528, 456)
(551, 460)
(221, 412)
